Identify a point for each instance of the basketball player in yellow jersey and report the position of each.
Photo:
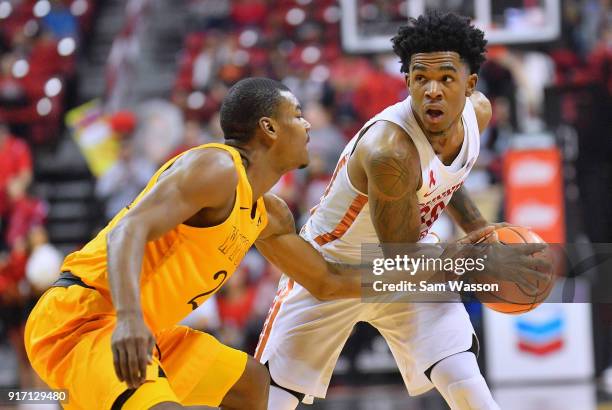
(107, 330)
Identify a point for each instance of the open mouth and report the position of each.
(434, 115)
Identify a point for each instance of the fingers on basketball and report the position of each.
(533, 287)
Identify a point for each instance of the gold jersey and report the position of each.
(185, 266)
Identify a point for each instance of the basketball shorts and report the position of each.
(302, 337)
(68, 342)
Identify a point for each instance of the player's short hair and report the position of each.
(438, 31)
(246, 103)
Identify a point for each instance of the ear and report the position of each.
(268, 127)
(407, 79)
(471, 84)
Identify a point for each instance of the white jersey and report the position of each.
(302, 336)
(341, 223)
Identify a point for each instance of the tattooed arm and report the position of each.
(464, 212)
(386, 165)
(390, 171)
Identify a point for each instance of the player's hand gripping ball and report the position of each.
(529, 281)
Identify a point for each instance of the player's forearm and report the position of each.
(464, 212)
(397, 227)
(303, 263)
(341, 286)
(125, 247)
(407, 264)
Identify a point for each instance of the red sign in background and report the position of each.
(533, 182)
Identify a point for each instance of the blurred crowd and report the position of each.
(39, 41)
(296, 41)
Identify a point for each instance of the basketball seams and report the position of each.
(516, 231)
(518, 235)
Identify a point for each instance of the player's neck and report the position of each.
(262, 178)
(259, 173)
(453, 131)
(448, 140)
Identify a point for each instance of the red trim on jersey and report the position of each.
(339, 166)
(345, 223)
(272, 313)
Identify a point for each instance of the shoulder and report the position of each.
(482, 107)
(210, 157)
(388, 149)
(280, 218)
(387, 139)
(210, 163)
(208, 171)
(275, 207)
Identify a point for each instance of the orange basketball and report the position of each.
(511, 298)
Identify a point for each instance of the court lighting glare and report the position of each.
(44, 106)
(5, 9)
(53, 87)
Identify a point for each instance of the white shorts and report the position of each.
(302, 337)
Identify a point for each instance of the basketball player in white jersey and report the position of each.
(393, 180)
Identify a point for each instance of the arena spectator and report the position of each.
(44, 263)
(160, 130)
(12, 92)
(208, 14)
(60, 21)
(378, 90)
(325, 146)
(235, 303)
(326, 139)
(124, 180)
(194, 135)
(249, 12)
(26, 211)
(206, 63)
(15, 169)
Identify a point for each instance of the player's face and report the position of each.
(439, 82)
(293, 131)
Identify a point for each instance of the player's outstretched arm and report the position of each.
(280, 244)
(190, 185)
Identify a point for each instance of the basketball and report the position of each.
(512, 298)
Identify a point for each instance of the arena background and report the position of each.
(94, 95)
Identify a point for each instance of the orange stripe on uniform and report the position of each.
(339, 166)
(265, 333)
(345, 223)
(335, 174)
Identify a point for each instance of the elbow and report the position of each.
(324, 291)
(122, 230)
(322, 296)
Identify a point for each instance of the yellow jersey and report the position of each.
(185, 266)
